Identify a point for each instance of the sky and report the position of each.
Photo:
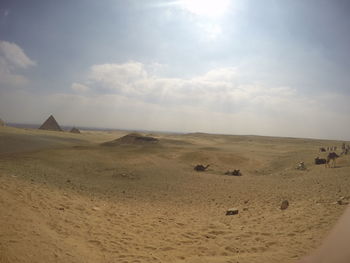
(275, 68)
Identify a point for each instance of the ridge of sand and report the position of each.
(132, 138)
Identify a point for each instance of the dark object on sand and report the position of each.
(331, 157)
(284, 205)
(132, 138)
(234, 173)
(232, 211)
(320, 161)
(200, 167)
(75, 130)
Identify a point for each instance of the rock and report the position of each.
(234, 173)
(284, 205)
(232, 211)
(342, 202)
(301, 166)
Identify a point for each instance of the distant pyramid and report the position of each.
(50, 124)
(75, 130)
(2, 123)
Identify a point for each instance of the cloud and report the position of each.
(14, 55)
(118, 111)
(132, 96)
(216, 101)
(218, 90)
(13, 58)
(77, 87)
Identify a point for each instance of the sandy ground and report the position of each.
(66, 198)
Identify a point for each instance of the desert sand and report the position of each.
(68, 197)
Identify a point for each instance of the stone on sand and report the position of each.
(232, 211)
(284, 205)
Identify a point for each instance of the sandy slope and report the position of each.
(66, 198)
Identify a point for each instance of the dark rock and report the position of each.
(234, 173)
(284, 205)
(232, 211)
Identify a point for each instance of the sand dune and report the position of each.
(66, 198)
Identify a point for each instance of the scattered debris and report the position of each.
(284, 205)
(232, 211)
(234, 172)
(301, 166)
(200, 167)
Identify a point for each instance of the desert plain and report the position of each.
(72, 198)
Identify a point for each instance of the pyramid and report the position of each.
(2, 123)
(50, 124)
(75, 130)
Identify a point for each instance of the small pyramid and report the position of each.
(50, 124)
(2, 123)
(75, 130)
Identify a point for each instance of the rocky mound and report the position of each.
(75, 130)
(132, 138)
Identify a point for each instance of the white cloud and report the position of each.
(14, 55)
(12, 58)
(118, 111)
(217, 101)
(218, 90)
(118, 76)
(77, 87)
(130, 96)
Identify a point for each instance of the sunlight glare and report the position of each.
(212, 8)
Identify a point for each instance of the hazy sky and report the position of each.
(240, 67)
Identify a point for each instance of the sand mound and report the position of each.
(51, 125)
(132, 138)
(75, 130)
(2, 123)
